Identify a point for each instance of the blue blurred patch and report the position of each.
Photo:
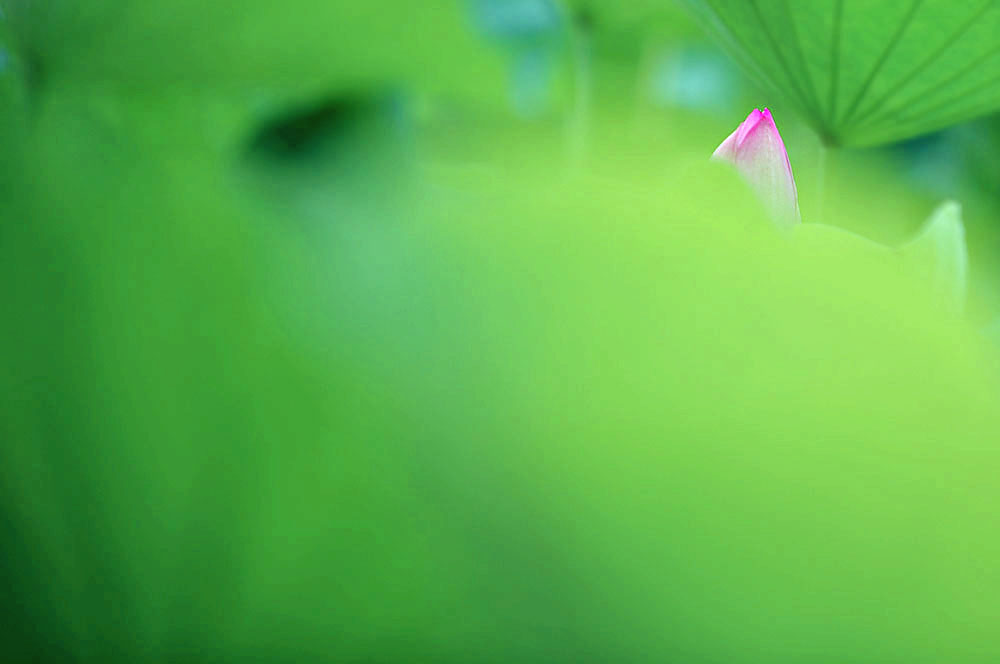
(517, 20)
(932, 162)
(693, 78)
(531, 31)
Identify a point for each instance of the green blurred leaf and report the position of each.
(939, 255)
(867, 73)
(299, 47)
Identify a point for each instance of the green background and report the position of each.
(425, 332)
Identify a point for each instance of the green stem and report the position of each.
(580, 120)
(821, 183)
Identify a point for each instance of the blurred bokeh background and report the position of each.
(425, 331)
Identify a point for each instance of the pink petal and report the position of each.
(759, 154)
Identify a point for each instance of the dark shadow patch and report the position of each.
(307, 133)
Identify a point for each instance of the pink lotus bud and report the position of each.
(759, 154)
